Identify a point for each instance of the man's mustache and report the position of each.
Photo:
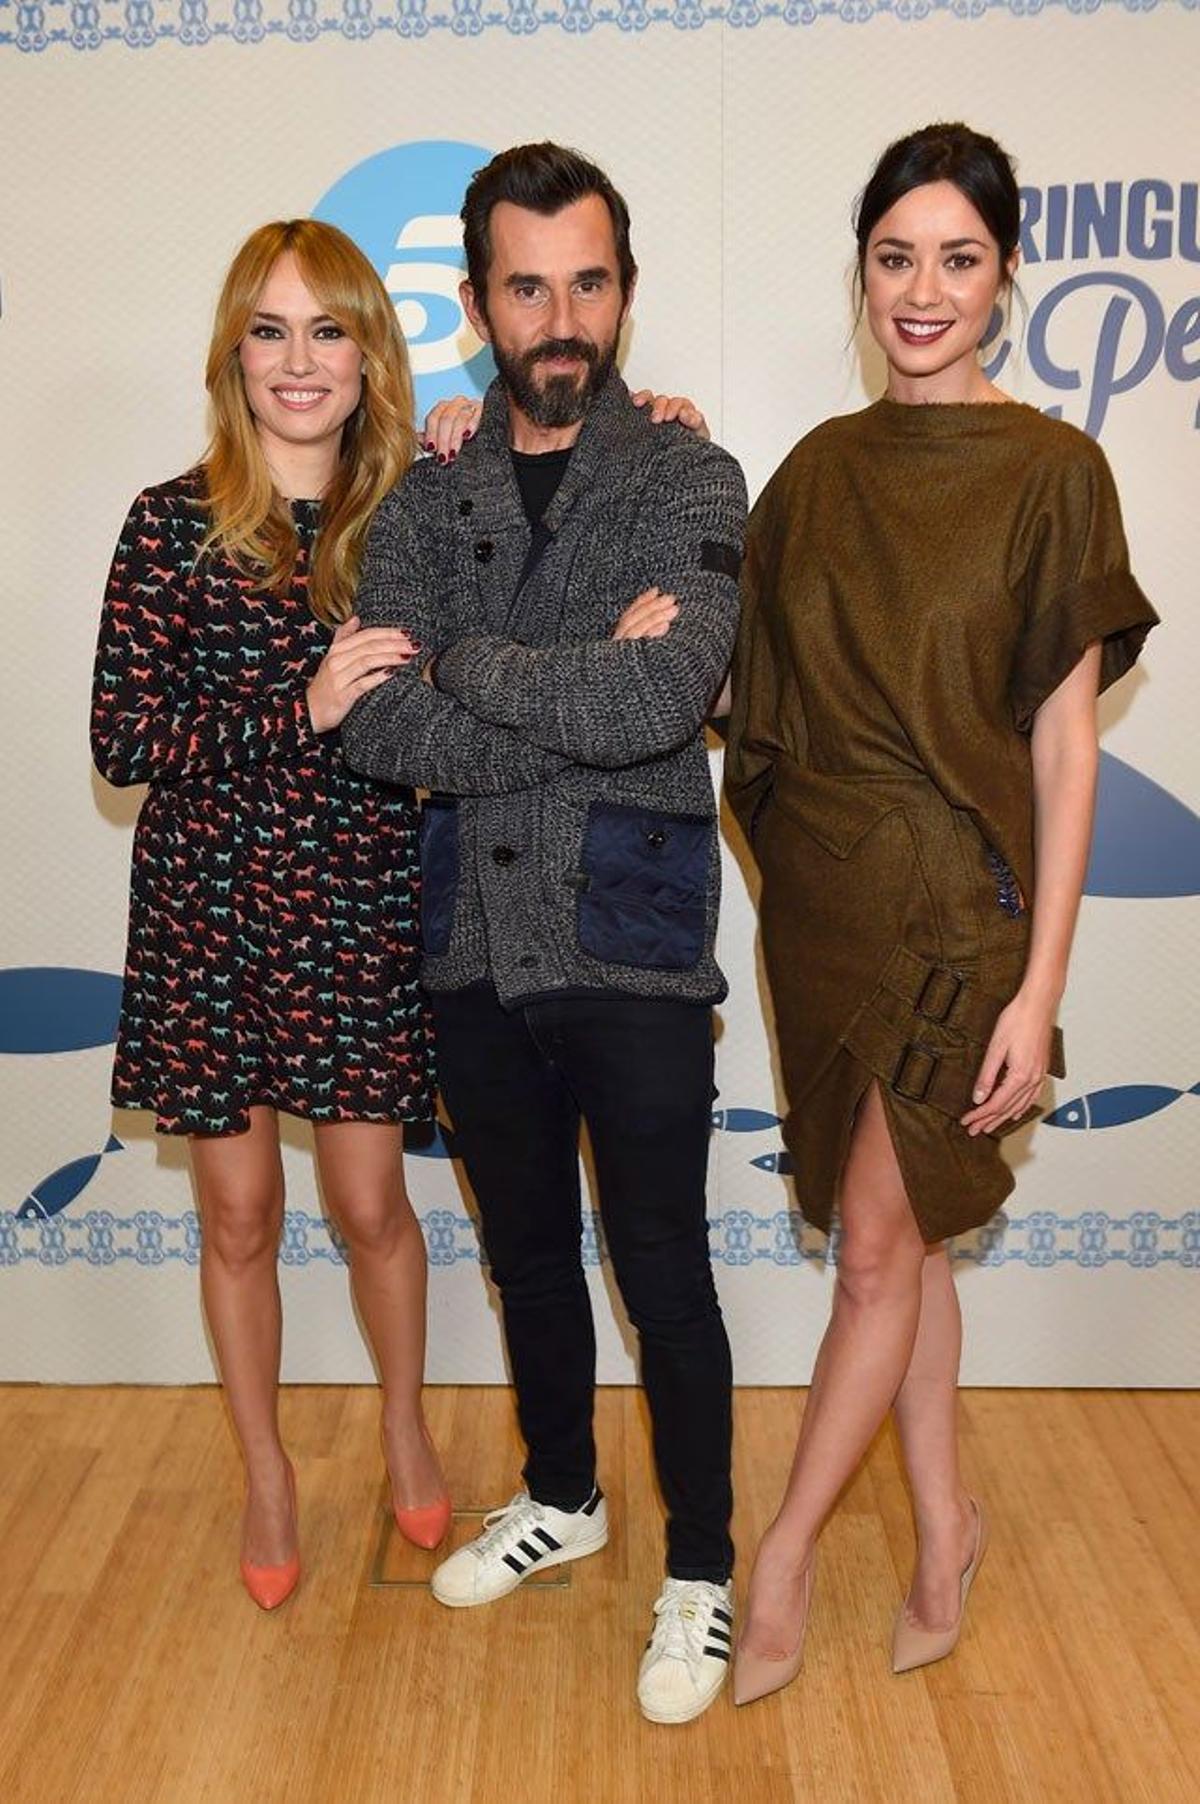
(551, 348)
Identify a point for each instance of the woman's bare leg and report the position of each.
(927, 1417)
(362, 1176)
(861, 1365)
(239, 1189)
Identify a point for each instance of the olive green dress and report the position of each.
(918, 580)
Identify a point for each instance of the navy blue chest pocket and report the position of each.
(645, 878)
(439, 872)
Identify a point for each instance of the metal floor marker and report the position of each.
(397, 1563)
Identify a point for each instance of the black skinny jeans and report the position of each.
(640, 1074)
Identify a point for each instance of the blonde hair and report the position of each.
(250, 521)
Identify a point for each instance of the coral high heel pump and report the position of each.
(270, 1586)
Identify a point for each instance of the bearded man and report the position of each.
(569, 586)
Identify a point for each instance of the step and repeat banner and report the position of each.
(144, 138)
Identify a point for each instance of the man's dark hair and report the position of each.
(545, 178)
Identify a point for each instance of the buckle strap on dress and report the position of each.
(916, 1069)
(922, 1059)
(945, 995)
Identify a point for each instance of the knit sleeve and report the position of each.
(1079, 588)
(614, 702)
(405, 731)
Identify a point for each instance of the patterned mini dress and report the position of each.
(272, 952)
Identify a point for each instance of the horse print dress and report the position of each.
(272, 952)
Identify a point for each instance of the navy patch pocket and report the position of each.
(439, 872)
(643, 887)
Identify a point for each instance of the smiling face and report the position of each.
(931, 276)
(553, 310)
(302, 371)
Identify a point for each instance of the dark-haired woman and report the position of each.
(936, 588)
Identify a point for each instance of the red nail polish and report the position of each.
(469, 433)
(442, 457)
(429, 444)
(453, 455)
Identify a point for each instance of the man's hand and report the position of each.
(672, 407)
(648, 616)
(359, 658)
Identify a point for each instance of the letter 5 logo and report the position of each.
(401, 208)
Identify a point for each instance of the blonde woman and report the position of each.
(273, 935)
(273, 932)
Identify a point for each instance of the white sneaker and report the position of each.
(522, 1537)
(687, 1657)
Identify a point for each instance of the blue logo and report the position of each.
(780, 1162)
(401, 207)
(52, 1008)
(1113, 1108)
(1131, 329)
(1146, 842)
(743, 1121)
(62, 1186)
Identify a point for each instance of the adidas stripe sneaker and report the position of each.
(687, 1657)
(519, 1539)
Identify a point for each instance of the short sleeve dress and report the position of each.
(272, 952)
(918, 580)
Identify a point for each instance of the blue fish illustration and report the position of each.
(1113, 1108)
(430, 1140)
(780, 1162)
(54, 1008)
(52, 1195)
(744, 1121)
(1146, 841)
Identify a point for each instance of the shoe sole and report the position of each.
(579, 1550)
(681, 1716)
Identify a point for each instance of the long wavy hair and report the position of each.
(250, 521)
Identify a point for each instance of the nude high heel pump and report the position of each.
(758, 1675)
(270, 1586)
(914, 1646)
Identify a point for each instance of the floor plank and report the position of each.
(133, 1669)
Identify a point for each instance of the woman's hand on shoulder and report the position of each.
(672, 407)
(449, 425)
(358, 660)
(1015, 1064)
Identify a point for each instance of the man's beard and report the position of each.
(561, 400)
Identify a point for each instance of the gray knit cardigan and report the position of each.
(570, 841)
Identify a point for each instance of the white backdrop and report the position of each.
(144, 138)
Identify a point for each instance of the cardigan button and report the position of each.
(503, 855)
(464, 508)
(483, 551)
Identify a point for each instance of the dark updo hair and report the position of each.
(978, 167)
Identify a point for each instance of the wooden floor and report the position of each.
(133, 1669)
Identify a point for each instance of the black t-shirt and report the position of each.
(538, 475)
